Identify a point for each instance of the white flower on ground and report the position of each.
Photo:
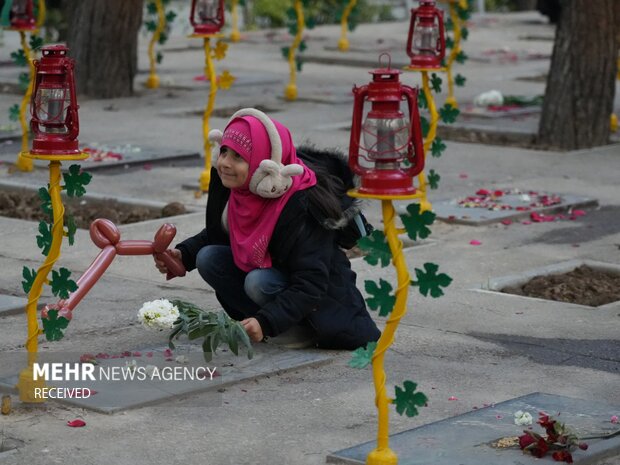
(522, 418)
(158, 314)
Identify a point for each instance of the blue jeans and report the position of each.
(241, 294)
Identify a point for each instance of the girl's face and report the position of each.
(232, 168)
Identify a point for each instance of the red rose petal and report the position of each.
(453, 398)
(463, 176)
(475, 242)
(77, 423)
(578, 212)
(507, 222)
(483, 192)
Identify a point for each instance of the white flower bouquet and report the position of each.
(159, 314)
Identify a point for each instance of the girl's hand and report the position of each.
(161, 266)
(252, 327)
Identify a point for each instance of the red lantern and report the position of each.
(426, 44)
(54, 106)
(207, 16)
(389, 138)
(22, 15)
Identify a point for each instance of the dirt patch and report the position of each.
(27, 206)
(583, 286)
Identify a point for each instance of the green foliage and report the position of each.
(159, 57)
(449, 42)
(71, 228)
(285, 51)
(448, 113)
(170, 16)
(459, 80)
(436, 83)
(433, 179)
(29, 274)
(46, 201)
(377, 248)
(448, 24)
(35, 42)
(214, 327)
(24, 81)
(430, 281)
(417, 223)
(53, 326)
(362, 357)
(151, 25)
(163, 38)
(61, 284)
(302, 46)
(426, 126)
(298, 63)
(437, 147)
(19, 58)
(151, 8)
(461, 57)
(44, 239)
(381, 299)
(407, 400)
(422, 103)
(464, 33)
(14, 112)
(75, 180)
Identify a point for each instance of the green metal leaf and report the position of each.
(459, 80)
(19, 58)
(29, 274)
(425, 125)
(298, 63)
(422, 103)
(302, 46)
(163, 38)
(292, 29)
(381, 299)
(448, 24)
(449, 42)
(14, 112)
(151, 7)
(433, 179)
(430, 281)
(44, 239)
(285, 51)
(170, 16)
(463, 13)
(159, 57)
(377, 248)
(150, 25)
(407, 400)
(62, 286)
(291, 14)
(311, 23)
(461, 57)
(54, 327)
(464, 33)
(71, 228)
(448, 113)
(362, 356)
(437, 147)
(35, 42)
(24, 81)
(436, 83)
(417, 223)
(46, 201)
(75, 180)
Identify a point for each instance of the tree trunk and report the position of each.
(581, 83)
(103, 39)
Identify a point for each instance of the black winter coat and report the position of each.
(322, 286)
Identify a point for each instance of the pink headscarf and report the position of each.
(251, 218)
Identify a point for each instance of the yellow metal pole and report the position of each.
(290, 92)
(343, 43)
(42, 12)
(26, 383)
(382, 454)
(235, 35)
(456, 48)
(425, 205)
(23, 163)
(205, 176)
(153, 80)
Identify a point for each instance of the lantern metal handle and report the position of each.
(416, 137)
(359, 95)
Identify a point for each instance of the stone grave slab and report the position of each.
(11, 305)
(468, 439)
(479, 210)
(179, 373)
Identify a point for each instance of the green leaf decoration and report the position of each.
(44, 240)
(151, 7)
(463, 13)
(461, 57)
(459, 80)
(417, 223)
(407, 400)
(62, 286)
(311, 23)
(292, 29)
(437, 147)
(422, 103)
(163, 38)
(19, 58)
(464, 33)
(159, 57)
(46, 201)
(291, 14)
(298, 63)
(430, 281)
(448, 113)
(170, 16)
(302, 46)
(376, 247)
(29, 274)
(449, 42)
(448, 24)
(425, 125)
(75, 180)
(436, 83)
(54, 327)
(381, 299)
(362, 356)
(285, 51)
(242, 2)
(433, 179)
(71, 228)
(36, 42)
(24, 81)
(150, 25)
(14, 113)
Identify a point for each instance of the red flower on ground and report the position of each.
(562, 456)
(526, 440)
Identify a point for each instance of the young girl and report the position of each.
(265, 249)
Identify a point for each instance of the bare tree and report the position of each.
(581, 83)
(103, 39)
